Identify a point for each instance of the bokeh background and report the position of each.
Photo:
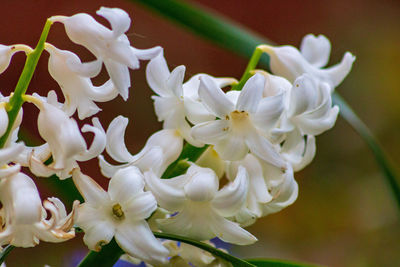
(344, 215)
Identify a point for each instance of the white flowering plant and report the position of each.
(225, 156)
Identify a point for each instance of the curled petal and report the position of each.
(118, 18)
(147, 54)
(268, 113)
(99, 234)
(115, 146)
(157, 74)
(3, 119)
(99, 141)
(232, 197)
(88, 69)
(168, 197)
(9, 170)
(175, 80)
(316, 49)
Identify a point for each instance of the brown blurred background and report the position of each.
(345, 215)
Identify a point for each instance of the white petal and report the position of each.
(102, 93)
(107, 169)
(98, 235)
(268, 113)
(210, 132)
(202, 184)
(87, 69)
(157, 74)
(11, 170)
(138, 241)
(126, 183)
(119, 74)
(336, 74)
(308, 156)
(115, 146)
(317, 126)
(89, 189)
(316, 49)
(262, 148)
(232, 197)
(214, 98)
(196, 112)
(99, 141)
(8, 154)
(140, 206)
(231, 147)
(147, 54)
(39, 169)
(3, 120)
(175, 80)
(168, 197)
(304, 95)
(231, 232)
(251, 94)
(118, 18)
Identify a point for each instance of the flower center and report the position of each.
(117, 211)
(240, 120)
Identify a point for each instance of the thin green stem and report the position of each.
(255, 58)
(14, 105)
(106, 257)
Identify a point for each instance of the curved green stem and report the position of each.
(16, 101)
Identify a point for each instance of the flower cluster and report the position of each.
(252, 137)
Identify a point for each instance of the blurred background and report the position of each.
(344, 215)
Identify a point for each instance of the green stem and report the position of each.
(4, 253)
(111, 252)
(255, 58)
(16, 101)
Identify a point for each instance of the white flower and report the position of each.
(270, 189)
(24, 218)
(291, 63)
(244, 124)
(176, 101)
(310, 106)
(64, 140)
(110, 46)
(6, 53)
(201, 207)
(73, 76)
(161, 149)
(119, 213)
(298, 150)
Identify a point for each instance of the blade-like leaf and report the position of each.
(4, 253)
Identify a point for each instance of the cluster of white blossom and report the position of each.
(256, 138)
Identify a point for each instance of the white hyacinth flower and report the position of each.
(310, 106)
(110, 46)
(161, 149)
(244, 124)
(73, 76)
(119, 213)
(25, 219)
(7, 51)
(202, 208)
(314, 53)
(64, 139)
(270, 189)
(177, 102)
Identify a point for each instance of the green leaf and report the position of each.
(277, 263)
(220, 30)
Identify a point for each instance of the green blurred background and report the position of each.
(344, 215)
